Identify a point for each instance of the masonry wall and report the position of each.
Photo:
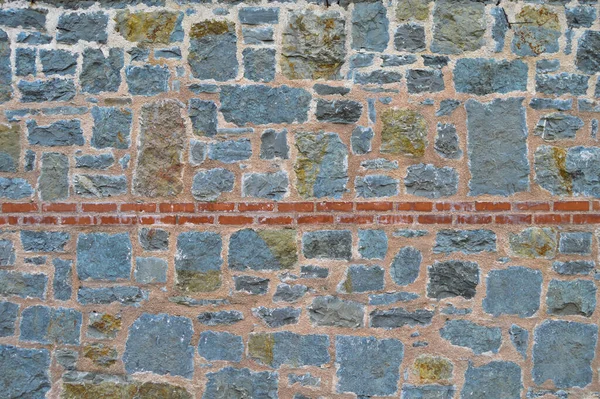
(299, 200)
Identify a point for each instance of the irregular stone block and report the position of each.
(580, 16)
(147, 80)
(160, 157)
(433, 368)
(410, 38)
(251, 284)
(25, 62)
(213, 50)
(400, 317)
(391, 297)
(90, 27)
(558, 126)
(327, 244)
(149, 28)
(259, 64)
(534, 242)
(497, 147)
(537, 30)
(313, 272)
(100, 161)
(8, 318)
(361, 278)
(262, 249)
(33, 38)
(259, 35)
(198, 261)
(203, 115)
(305, 380)
(432, 391)
(230, 151)
(44, 241)
(16, 188)
(198, 152)
(453, 278)
(481, 76)
(361, 140)
(370, 27)
(229, 382)
(125, 295)
(551, 103)
(289, 293)
(277, 317)
(404, 132)
(313, 45)
(112, 127)
(372, 244)
(375, 186)
(465, 241)
(425, 180)
(519, 337)
(446, 141)
(100, 354)
(53, 183)
(100, 73)
(418, 10)
(575, 267)
(335, 312)
(378, 77)
(499, 28)
(338, 111)
(588, 59)
(478, 338)
(60, 133)
(100, 186)
(561, 83)
(321, 165)
(10, 147)
(493, 380)
(258, 15)
(26, 18)
(575, 243)
(576, 297)
(7, 253)
(260, 105)
(424, 81)
(103, 325)
(78, 384)
(563, 352)
(103, 256)
(154, 239)
(391, 60)
(23, 285)
(58, 62)
(223, 317)
(6, 90)
(50, 325)
(458, 27)
(160, 344)
(273, 144)
(514, 291)
(406, 266)
(367, 366)
(272, 186)
(208, 185)
(150, 270)
(215, 345)
(25, 372)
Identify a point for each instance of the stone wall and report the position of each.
(216, 199)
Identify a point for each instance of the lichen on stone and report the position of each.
(404, 132)
(151, 27)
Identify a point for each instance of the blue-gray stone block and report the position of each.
(580, 16)
(198, 150)
(112, 127)
(58, 62)
(203, 115)
(514, 291)
(229, 382)
(390, 298)
(7, 253)
(338, 111)
(424, 81)
(378, 77)
(15, 188)
(223, 317)
(576, 297)
(277, 317)
(25, 372)
(27, 18)
(294, 350)
(561, 83)
(259, 35)
(89, 27)
(289, 293)
(216, 345)
(327, 244)
(33, 38)
(25, 62)
(563, 352)
(432, 391)
(272, 186)
(551, 103)
(478, 338)
(99, 186)
(125, 295)
(499, 28)
(361, 140)
(100, 73)
(481, 76)
(332, 311)
(588, 58)
(198, 251)
(262, 249)
(154, 239)
(574, 267)
(446, 141)
(160, 344)
(258, 15)
(494, 380)
(147, 80)
(361, 278)
(410, 38)
(251, 285)
(103, 256)
(453, 278)
(44, 241)
(273, 144)
(150, 270)
(519, 337)
(230, 151)
(57, 134)
(370, 27)
(575, 243)
(259, 64)
(361, 60)
(372, 244)
(50, 325)
(208, 185)
(368, 366)
(400, 317)
(23, 285)
(63, 276)
(8, 318)
(465, 241)
(427, 180)
(46, 90)
(558, 126)
(375, 186)
(6, 76)
(406, 266)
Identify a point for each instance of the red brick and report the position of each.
(551, 218)
(14, 220)
(195, 219)
(59, 207)
(168, 219)
(513, 219)
(126, 220)
(100, 208)
(256, 206)
(216, 207)
(237, 220)
(455, 206)
(3, 220)
(492, 206)
(415, 206)
(531, 206)
(18, 207)
(356, 219)
(39, 220)
(434, 219)
(133, 207)
(587, 219)
(335, 206)
(315, 219)
(166, 207)
(147, 220)
(374, 206)
(473, 219)
(570, 206)
(395, 219)
(275, 220)
(77, 220)
(295, 207)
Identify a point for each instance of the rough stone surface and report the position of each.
(53, 183)
(230, 382)
(331, 244)
(453, 278)
(406, 266)
(24, 371)
(425, 180)
(534, 242)
(332, 311)
(458, 27)
(198, 261)
(262, 249)
(361, 278)
(515, 290)
(465, 241)
(481, 76)
(493, 380)
(577, 297)
(478, 338)
(50, 325)
(103, 256)
(404, 133)
(213, 50)
(370, 27)
(112, 127)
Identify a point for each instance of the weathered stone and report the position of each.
(25, 372)
(576, 297)
(561, 83)
(67, 358)
(24, 62)
(332, 311)
(210, 184)
(418, 10)
(338, 111)
(519, 337)
(213, 50)
(361, 140)
(6, 90)
(7, 253)
(230, 382)
(377, 77)
(198, 261)
(251, 284)
(406, 266)
(375, 186)
(147, 80)
(102, 256)
(588, 59)
(160, 344)
(44, 241)
(289, 293)
(478, 338)
(327, 244)
(499, 28)
(262, 249)
(100, 354)
(258, 15)
(400, 317)
(424, 80)
(458, 27)
(99, 186)
(160, 157)
(370, 27)
(497, 147)
(29, 161)
(453, 278)
(321, 165)
(481, 76)
(57, 134)
(575, 267)
(58, 62)
(198, 150)
(465, 241)
(215, 345)
(100, 73)
(446, 140)
(8, 318)
(259, 64)
(563, 352)
(551, 103)
(367, 366)
(372, 244)
(311, 271)
(44, 90)
(112, 127)
(425, 180)
(81, 385)
(223, 317)
(493, 380)
(26, 18)
(404, 132)
(432, 391)
(534, 242)
(305, 380)
(125, 295)
(100, 161)
(150, 270)
(537, 30)
(410, 38)
(391, 60)
(34, 260)
(432, 368)
(514, 291)
(558, 126)
(154, 239)
(53, 183)
(277, 317)
(260, 105)
(172, 52)
(259, 35)
(89, 27)
(435, 61)
(33, 38)
(273, 144)
(16, 188)
(575, 243)
(103, 325)
(50, 325)
(580, 16)
(361, 278)
(313, 45)
(230, 151)
(272, 186)
(149, 28)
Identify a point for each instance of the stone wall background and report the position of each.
(299, 200)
